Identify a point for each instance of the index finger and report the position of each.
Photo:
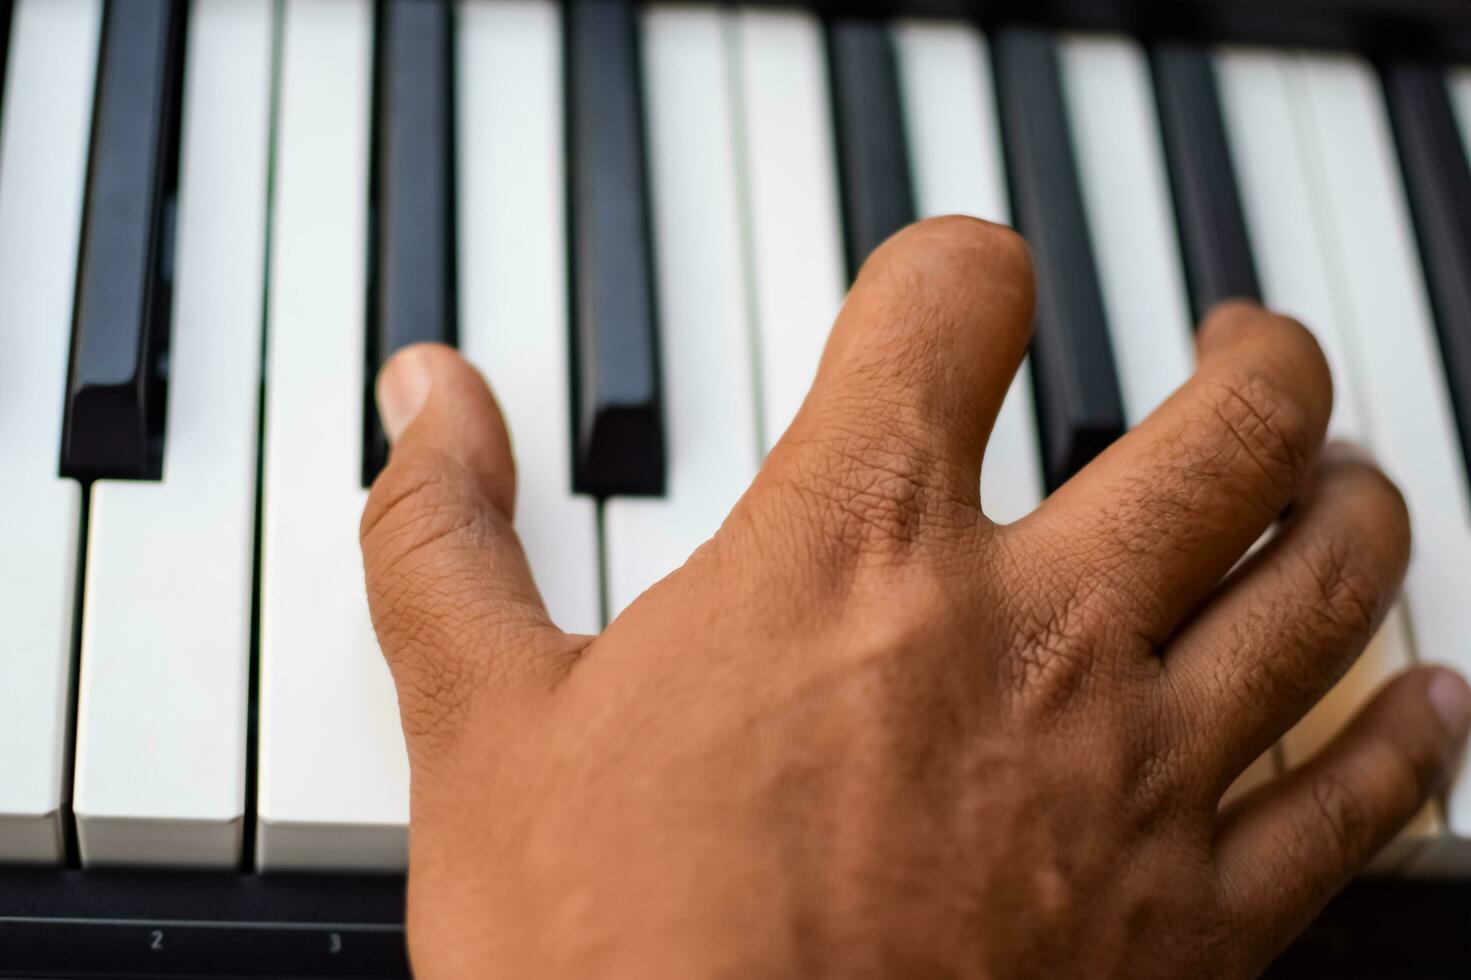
(891, 435)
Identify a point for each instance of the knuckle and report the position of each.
(1154, 772)
(416, 509)
(415, 502)
(1049, 658)
(1350, 593)
(1343, 814)
(1266, 425)
(1066, 641)
(873, 493)
(431, 697)
(1077, 625)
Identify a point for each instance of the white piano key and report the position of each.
(161, 714)
(513, 280)
(333, 779)
(1389, 325)
(709, 390)
(955, 156)
(44, 128)
(1126, 192)
(785, 125)
(1262, 123)
(1460, 84)
(1268, 122)
(1269, 130)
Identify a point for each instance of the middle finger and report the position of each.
(1152, 525)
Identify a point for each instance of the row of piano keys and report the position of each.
(639, 223)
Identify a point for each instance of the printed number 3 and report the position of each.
(334, 943)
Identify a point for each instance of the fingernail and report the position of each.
(1451, 700)
(1340, 451)
(402, 390)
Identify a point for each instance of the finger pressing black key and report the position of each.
(115, 395)
(1079, 406)
(873, 168)
(1438, 182)
(412, 295)
(1218, 260)
(619, 431)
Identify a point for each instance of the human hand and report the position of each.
(864, 731)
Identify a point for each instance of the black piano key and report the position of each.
(873, 161)
(618, 440)
(1079, 406)
(412, 296)
(1438, 182)
(5, 7)
(1213, 237)
(115, 404)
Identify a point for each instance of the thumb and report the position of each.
(451, 595)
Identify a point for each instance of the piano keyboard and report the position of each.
(216, 222)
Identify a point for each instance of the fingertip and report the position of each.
(1241, 341)
(402, 389)
(437, 409)
(1224, 321)
(921, 357)
(1338, 809)
(1237, 322)
(1450, 698)
(958, 251)
(1426, 712)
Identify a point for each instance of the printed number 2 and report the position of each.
(155, 939)
(334, 943)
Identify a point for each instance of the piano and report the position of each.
(218, 217)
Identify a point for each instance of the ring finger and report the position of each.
(1294, 617)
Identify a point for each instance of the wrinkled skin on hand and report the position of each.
(865, 731)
